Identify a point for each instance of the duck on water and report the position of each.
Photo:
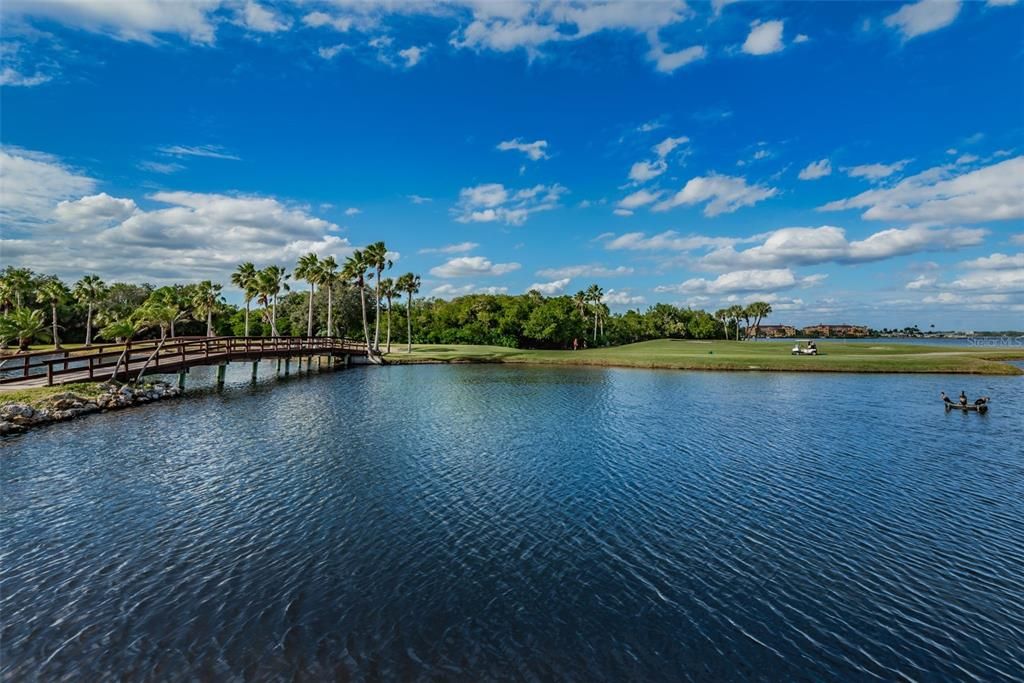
(980, 404)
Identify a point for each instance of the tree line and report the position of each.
(351, 299)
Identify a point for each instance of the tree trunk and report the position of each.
(366, 325)
(273, 317)
(209, 323)
(595, 327)
(56, 338)
(330, 311)
(88, 326)
(389, 325)
(309, 317)
(376, 325)
(737, 329)
(408, 322)
(172, 329)
(246, 317)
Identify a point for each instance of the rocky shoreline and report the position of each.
(19, 417)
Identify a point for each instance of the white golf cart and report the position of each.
(809, 348)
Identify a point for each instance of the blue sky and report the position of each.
(848, 162)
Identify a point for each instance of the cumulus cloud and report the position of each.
(742, 281)
(642, 171)
(472, 266)
(996, 261)
(32, 183)
(667, 61)
(720, 194)
(448, 291)
(10, 76)
(332, 51)
(353, 211)
(765, 37)
(917, 18)
(586, 270)
(665, 147)
(638, 199)
(876, 171)
(100, 210)
(535, 150)
(807, 246)
(946, 194)
(816, 169)
(493, 202)
(552, 288)
(412, 55)
(665, 241)
(256, 17)
(460, 248)
(615, 297)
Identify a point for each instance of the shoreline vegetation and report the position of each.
(681, 354)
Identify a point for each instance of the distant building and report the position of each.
(775, 331)
(824, 330)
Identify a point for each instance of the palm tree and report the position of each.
(120, 331)
(308, 269)
(594, 296)
(354, 271)
(377, 258)
(327, 276)
(244, 278)
(23, 324)
(579, 301)
(166, 306)
(206, 299)
(53, 292)
(272, 281)
(735, 313)
(759, 310)
(410, 284)
(89, 291)
(389, 292)
(722, 316)
(18, 281)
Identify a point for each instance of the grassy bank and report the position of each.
(725, 355)
(39, 396)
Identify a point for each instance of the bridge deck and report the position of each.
(107, 361)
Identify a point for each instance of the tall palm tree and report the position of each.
(377, 259)
(120, 331)
(206, 299)
(23, 324)
(354, 271)
(19, 282)
(167, 306)
(735, 313)
(54, 293)
(410, 284)
(89, 291)
(327, 276)
(594, 296)
(272, 281)
(389, 292)
(722, 316)
(245, 277)
(580, 302)
(759, 310)
(308, 269)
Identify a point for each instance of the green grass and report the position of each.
(37, 396)
(726, 355)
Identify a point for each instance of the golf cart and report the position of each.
(809, 348)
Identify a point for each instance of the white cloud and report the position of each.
(586, 270)
(419, 199)
(649, 126)
(723, 194)
(493, 202)
(412, 55)
(642, 171)
(876, 171)
(765, 38)
(967, 159)
(332, 51)
(807, 246)
(996, 261)
(12, 77)
(100, 210)
(209, 151)
(552, 288)
(718, 5)
(31, 184)
(816, 169)
(448, 291)
(638, 199)
(801, 38)
(1017, 239)
(256, 17)
(622, 212)
(1000, 3)
(665, 147)
(667, 61)
(925, 16)
(160, 167)
(353, 211)
(472, 266)
(921, 282)
(535, 150)
(460, 248)
(320, 19)
(742, 281)
(665, 241)
(615, 297)
(946, 194)
(991, 281)
(135, 20)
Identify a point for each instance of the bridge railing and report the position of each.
(106, 360)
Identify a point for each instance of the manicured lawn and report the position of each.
(725, 355)
(36, 396)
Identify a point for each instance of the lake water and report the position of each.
(495, 522)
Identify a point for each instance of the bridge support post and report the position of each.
(220, 375)
(309, 364)
(279, 365)
(346, 360)
(287, 366)
(181, 379)
(255, 369)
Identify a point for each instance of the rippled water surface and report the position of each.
(475, 523)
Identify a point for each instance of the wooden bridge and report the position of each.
(132, 360)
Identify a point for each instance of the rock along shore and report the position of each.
(18, 417)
